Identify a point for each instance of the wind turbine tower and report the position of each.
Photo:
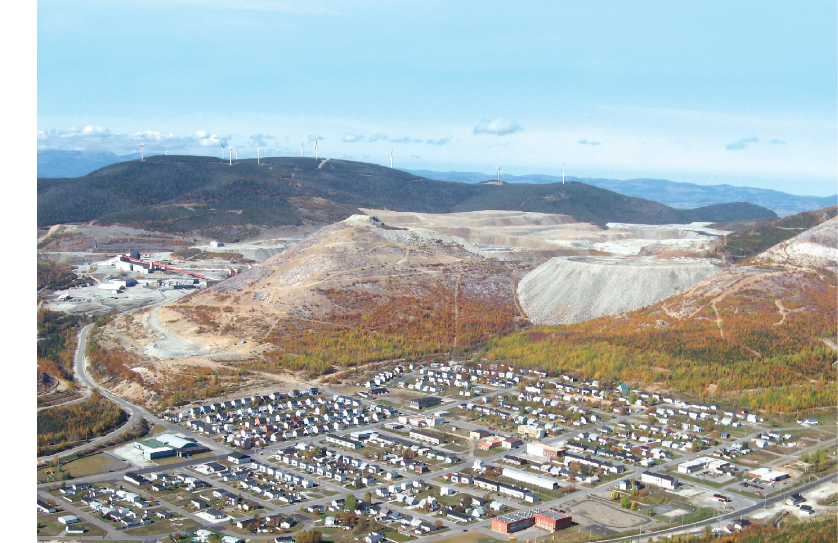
(257, 156)
(142, 153)
(302, 150)
(315, 149)
(237, 155)
(231, 155)
(499, 167)
(391, 159)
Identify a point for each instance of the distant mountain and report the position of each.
(671, 193)
(55, 163)
(199, 193)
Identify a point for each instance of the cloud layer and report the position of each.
(97, 138)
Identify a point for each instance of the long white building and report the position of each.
(541, 482)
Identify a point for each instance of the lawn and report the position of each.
(467, 537)
(48, 525)
(88, 465)
(164, 526)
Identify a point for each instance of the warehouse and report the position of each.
(535, 480)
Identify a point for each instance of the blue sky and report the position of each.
(707, 92)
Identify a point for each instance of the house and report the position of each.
(238, 458)
(374, 537)
(45, 507)
(68, 519)
(75, 529)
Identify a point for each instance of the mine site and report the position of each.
(201, 340)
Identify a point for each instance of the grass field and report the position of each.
(164, 526)
(88, 465)
(467, 537)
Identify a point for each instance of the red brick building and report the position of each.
(553, 520)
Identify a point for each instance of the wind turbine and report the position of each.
(499, 167)
(142, 154)
(231, 155)
(302, 150)
(315, 149)
(391, 158)
(257, 156)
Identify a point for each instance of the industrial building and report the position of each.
(529, 478)
(767, 474)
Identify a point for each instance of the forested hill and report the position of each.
(194, 193)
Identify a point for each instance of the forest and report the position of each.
(57, 342)
(811, 532)
(759, 362)
(56, 276)
(62, 427)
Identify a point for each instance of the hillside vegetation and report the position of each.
(747, 243)
(181, 194)
(62, 427)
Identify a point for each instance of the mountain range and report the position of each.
(199, 193)
(53, 163)
(675, 194)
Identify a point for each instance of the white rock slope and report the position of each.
(565, 290)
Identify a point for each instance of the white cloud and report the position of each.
(440, 141)
(97, 138)
(498, 127)
(377, 137)
(353, 138)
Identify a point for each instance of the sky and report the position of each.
(707, 92)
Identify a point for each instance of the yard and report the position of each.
(48, 525)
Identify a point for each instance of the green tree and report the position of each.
(625, 501)
(351, 503)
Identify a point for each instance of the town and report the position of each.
(418, 450)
